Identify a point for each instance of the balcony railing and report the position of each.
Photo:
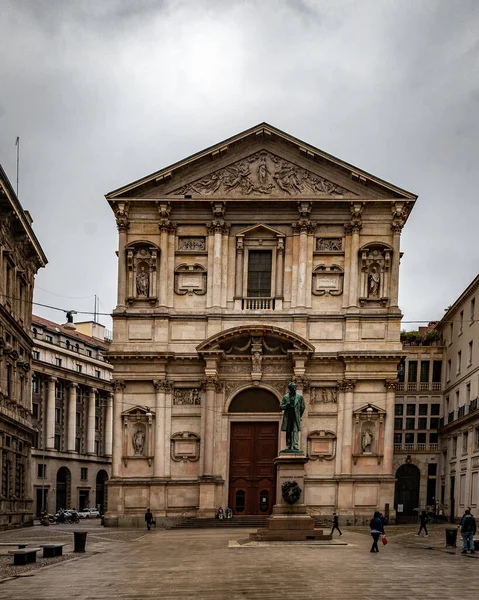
(418, 387)
(416, 447)
(450, 417)
(258, 303)
(461, 411)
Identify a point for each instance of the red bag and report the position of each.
(384, 540)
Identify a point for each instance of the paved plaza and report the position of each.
(200, 564)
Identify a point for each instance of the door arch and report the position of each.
(101, 491)
(253, 446)
(406, 494)
(63, 484)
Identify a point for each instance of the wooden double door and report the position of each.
(252, 481)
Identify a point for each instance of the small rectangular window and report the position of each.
(425, 371)
(259, 273)
(473, 309)
(423, 409)
(398, 438)
(422, 423)
(401, 368)
(58, 362)
(421, 438)
(411, 409)
(461, 321)
(97, 423)
(436, 371)
(465, 440)
(48, 338)
(433, 437)
(84, 473)
(398, 424)
(399, 410)
(77, 444)
(97, 373)
(412, 371)
(58, 441)
(432, 469)
(469, 354)
(468, 393)
(35, 410)
(435, 409)
(78, 368)
(58, 416)
(459, 359)
(434, 423)
(88, 352)
(97, 447)
(409, 438)
(36, 355)
(41, 471)
(449, 368)
(410, 423)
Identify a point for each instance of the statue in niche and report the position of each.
(138, 441)
(367, 441)
(374, 280)
(142, 283)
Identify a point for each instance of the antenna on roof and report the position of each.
(17, 144)
(95, 310)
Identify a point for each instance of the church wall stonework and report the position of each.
(191, 330)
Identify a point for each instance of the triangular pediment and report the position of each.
(260, 230)
(137, 411)
(261, 162)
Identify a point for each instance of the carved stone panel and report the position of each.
(190, 279)
(321, 445)
(187, 397)
(327, 280)
(329, 244)
(185, 446)
(192, 243)
(262, 174)
(324, 395)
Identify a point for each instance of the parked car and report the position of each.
(89, 513)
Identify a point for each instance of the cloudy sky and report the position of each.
(103, 92)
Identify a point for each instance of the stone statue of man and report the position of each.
(293, 406)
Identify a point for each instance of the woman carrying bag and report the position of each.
(377, 529)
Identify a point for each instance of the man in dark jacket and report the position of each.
(468, 529)
(335, 524)
(377, 528)
(148, 518)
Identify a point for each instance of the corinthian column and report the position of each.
(72, 413)
(161, 387)
(399, 218)
(90, 432)
(389, 427)
(49, 442)
(304, 227)
(108, 425)
(119, 388)
(239, 267)
(347, 449)
(210, 386)
(355, 226)
(121, 214)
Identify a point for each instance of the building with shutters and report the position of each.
(256, 261)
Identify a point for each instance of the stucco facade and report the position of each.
(257, 261)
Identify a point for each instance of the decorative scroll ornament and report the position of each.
(291, 492)
(262, 174)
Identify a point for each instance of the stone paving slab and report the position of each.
(179, 564)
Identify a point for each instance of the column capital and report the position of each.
(390, 384)
(72, 384)
(218, 226)
(121, 216)
(213, 383)
(347, 385)
(400, 212)
(163, 385)
(52, 379)
(304, 226)
(119, 385)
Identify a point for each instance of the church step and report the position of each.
(194, 523)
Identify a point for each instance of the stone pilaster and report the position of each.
(49, 442)
(349, 386)
(399, 216)
(109, 425)
(389, 427)
(160, 446)
(355, 228)
(90, 432)
(123, 224)
(119, 388)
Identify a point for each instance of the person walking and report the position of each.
(148, 518)
(335, 523)
(377, 528)
(424, 520)
(468, 529)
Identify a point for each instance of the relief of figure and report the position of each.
(367, 441)
(142, 283)
(256, 359)
(374, 280)
(288, 179)
(138, 441)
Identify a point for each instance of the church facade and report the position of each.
(255, 262)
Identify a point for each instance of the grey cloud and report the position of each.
(102, 93)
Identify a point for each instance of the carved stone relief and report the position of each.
(324, 395)
(185, 446)
(192, 244)
(327, 280)
(190, 279)
(329, 244)
(187, 397)
(262, 174)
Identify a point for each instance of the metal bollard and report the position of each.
(79, 541)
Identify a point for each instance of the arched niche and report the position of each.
(375, 264)
(141, 260)
(254, 400)
(406, 493)
(63, 485)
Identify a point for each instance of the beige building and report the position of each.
(256, 261)
(20, 258)
(459, 470)
(417, 418)
(72, 416)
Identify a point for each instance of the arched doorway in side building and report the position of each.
(63, 485)
(101, 497)
(406, 495)
(253, 446)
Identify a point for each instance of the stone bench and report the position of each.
(17, 544)
(24, 556)
(52, 550)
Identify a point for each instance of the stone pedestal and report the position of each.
(289, 522)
